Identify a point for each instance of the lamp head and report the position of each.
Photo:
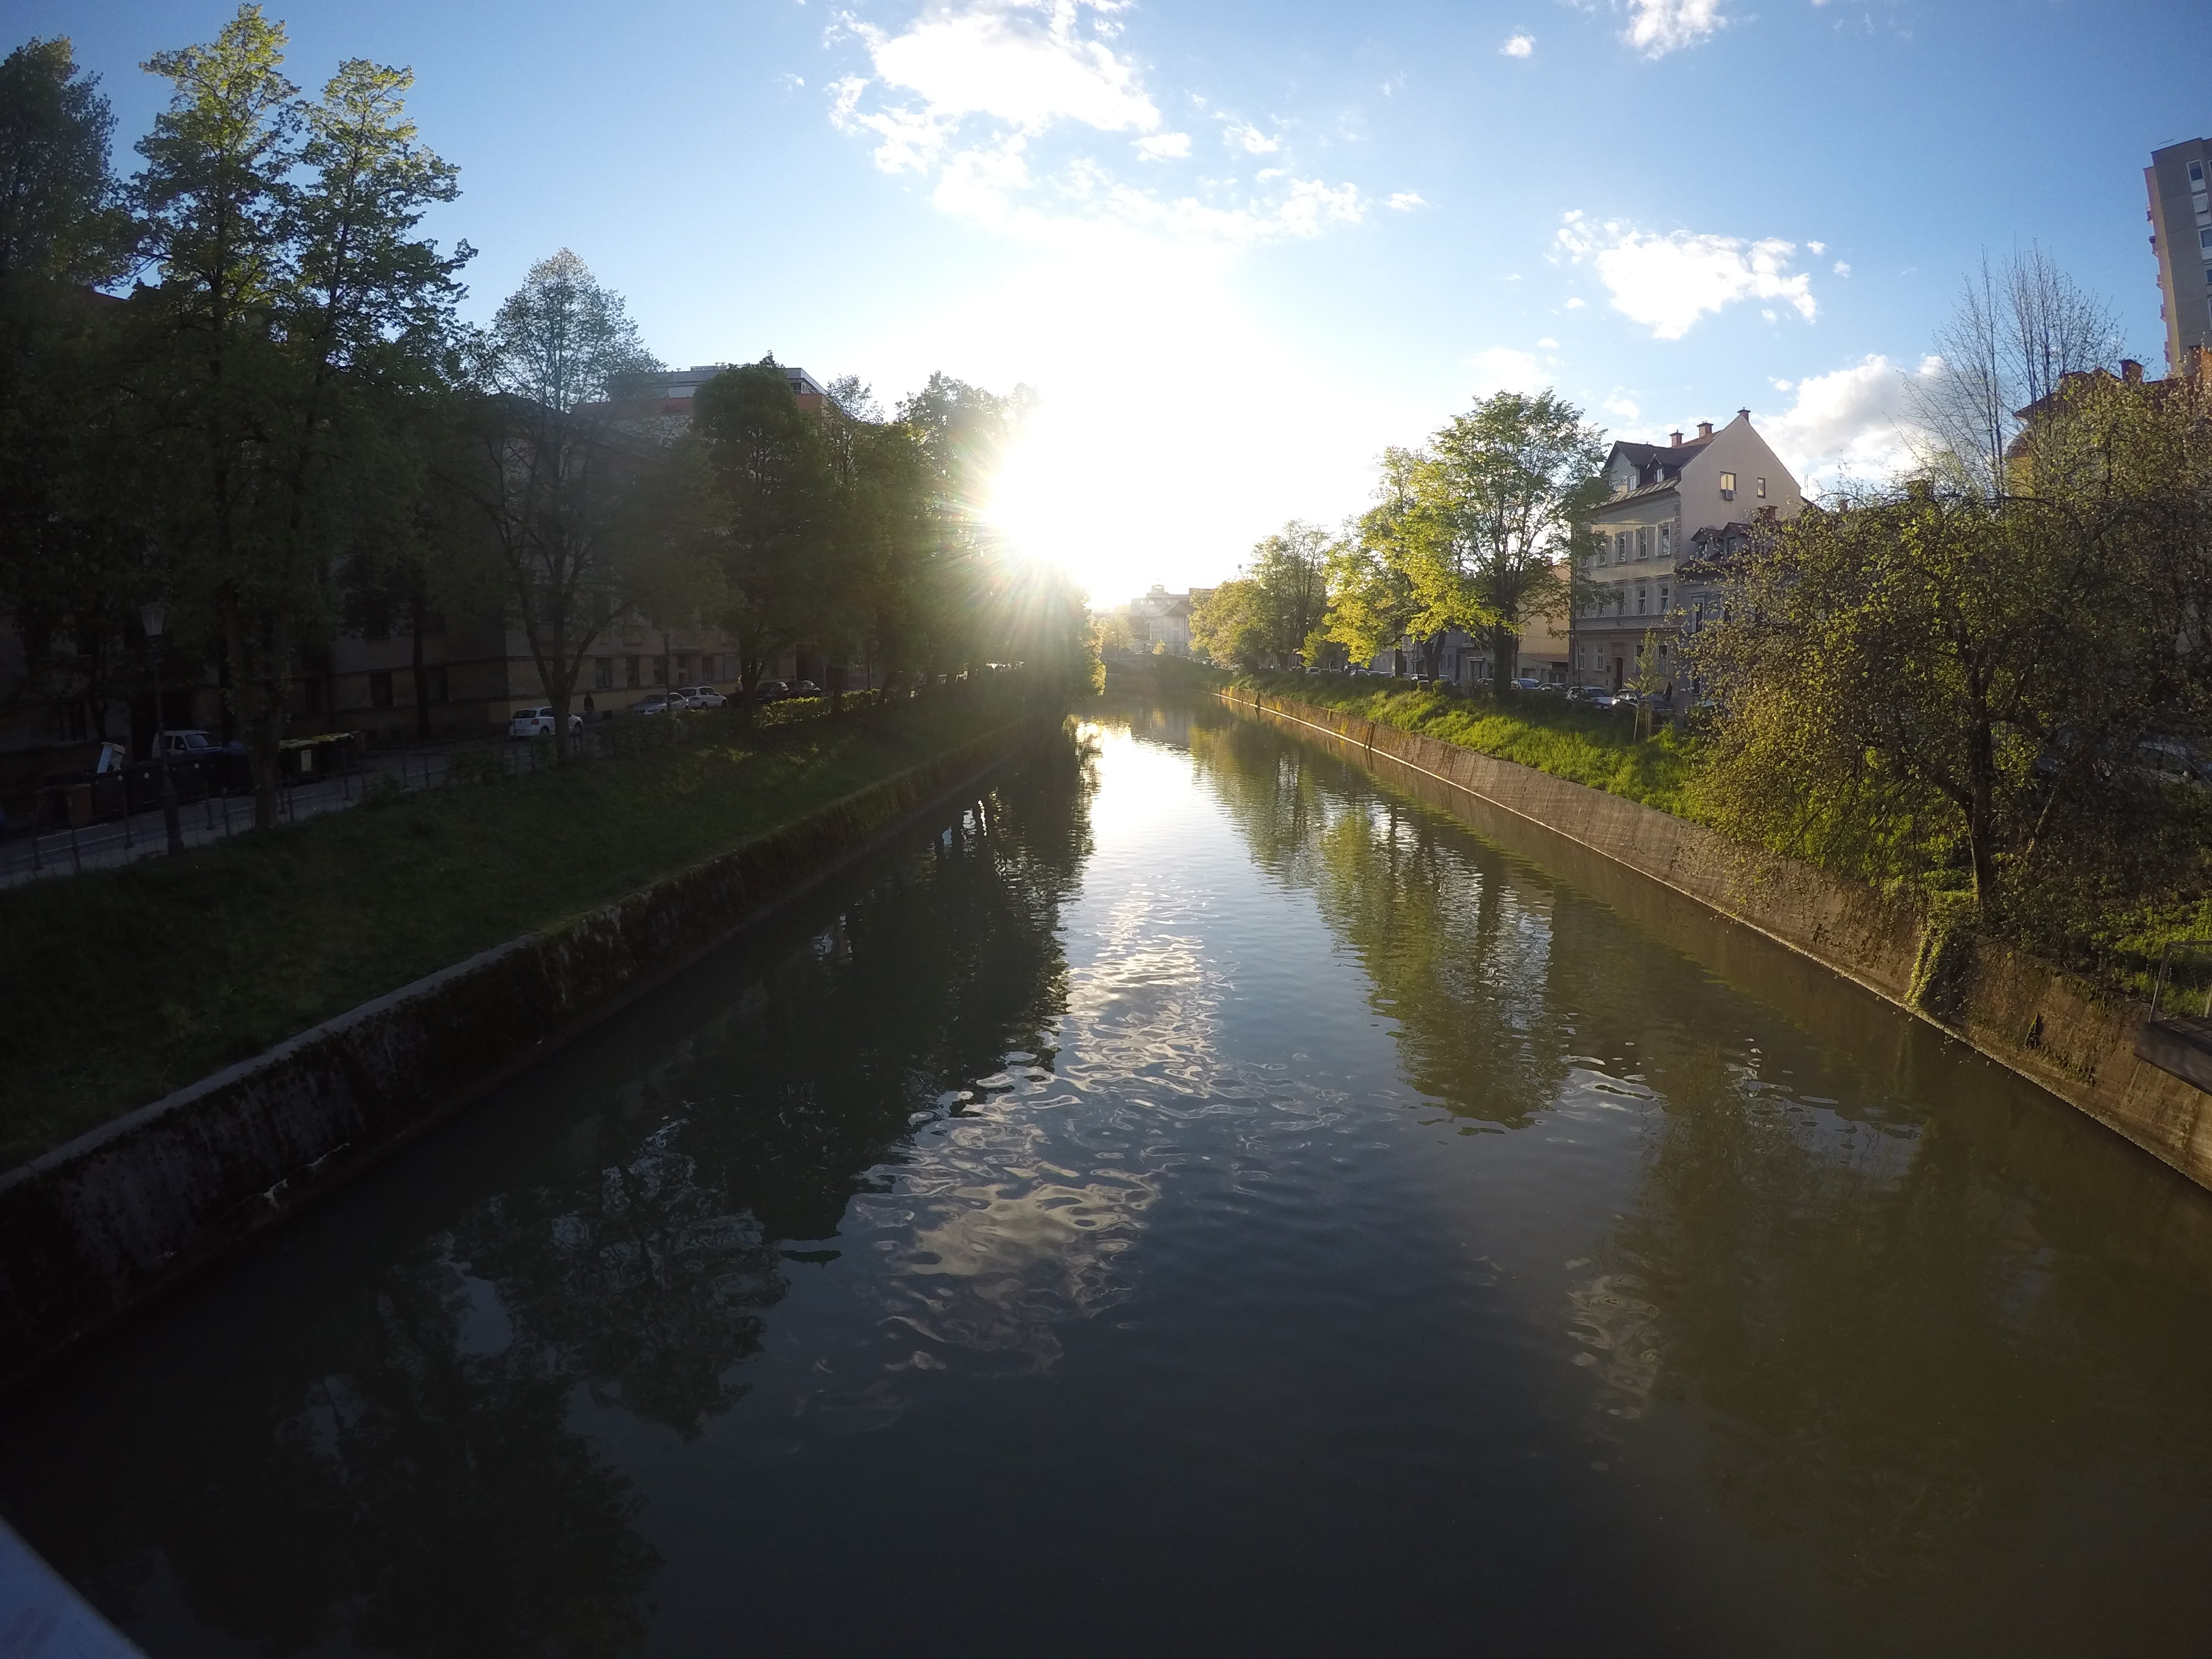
(150, 616)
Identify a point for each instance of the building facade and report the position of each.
(1652, 575)
(2181, 237)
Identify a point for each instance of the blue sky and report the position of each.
(1238, 248)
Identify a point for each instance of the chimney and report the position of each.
(1743, 414)
(1705, 429)
(1677, 437)
(2131, 371)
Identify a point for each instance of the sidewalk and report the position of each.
(123, 840)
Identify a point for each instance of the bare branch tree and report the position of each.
(2018, 330)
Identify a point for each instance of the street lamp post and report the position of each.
(150, 616)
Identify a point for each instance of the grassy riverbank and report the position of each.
(1583, 745)
(119, 985)
(2116, 947)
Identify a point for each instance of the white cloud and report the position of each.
(1818, 247)
(1405, 201)
(969, 92)
(1521, 45)
(1006, 61)
(1853, 422)
(1623, 408)
(1660, 26)
(792, 82)
(1667, 282)
(1501, 368)
(1548, 344)
(1575, 304)
(1842, 270)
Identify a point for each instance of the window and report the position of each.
(1643, 600)
(631, 665)
(434, 684)
(2204, 238)
(1666, 541)
(1728, 485)
(660, 671)
(684, 666)
(1662, 599)
(1620, 548)
(1643, 541)
(2197, 174)
(379, 689)
(603, 674)
(1762, 488)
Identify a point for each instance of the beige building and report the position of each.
(1650, 577)
(2181, 236)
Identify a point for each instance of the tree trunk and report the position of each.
(421, 611)
(264, 720)
(1981, 815)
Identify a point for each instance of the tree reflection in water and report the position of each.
(404, 1467)
(1458, 951)
(1909, 1333)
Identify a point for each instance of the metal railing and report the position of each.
(70, 836)
(2184, 968)
(67, 847)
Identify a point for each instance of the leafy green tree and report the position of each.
(72, 560)
(1902, 679)
(1372, 602)
(550, 465)
(776, 512)
(1231, 625)
(61, 219)
(1498, 495)
(297, 312)
(976, 596)
(1292, 569)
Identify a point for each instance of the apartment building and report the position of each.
(473, 675)
(2181, 237)
(1652, 571)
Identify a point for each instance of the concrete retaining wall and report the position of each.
(96, 1227)
(2044, 1025)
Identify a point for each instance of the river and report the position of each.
(1195, 1200)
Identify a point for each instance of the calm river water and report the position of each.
(1199, 1201)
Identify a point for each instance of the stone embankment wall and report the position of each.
(2044, 1025)
(96, 1227)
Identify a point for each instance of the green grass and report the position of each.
(119, 985)
(1585, 746)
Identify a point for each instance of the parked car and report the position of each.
(769, 691)
(1590, 696)
(660, 702)
(538, 723)
(179, 745)
(700, 696)
(808, 689)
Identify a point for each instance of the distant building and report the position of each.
(1653, 576)
(1159, 617)
(2181, 237)
(672, 388)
